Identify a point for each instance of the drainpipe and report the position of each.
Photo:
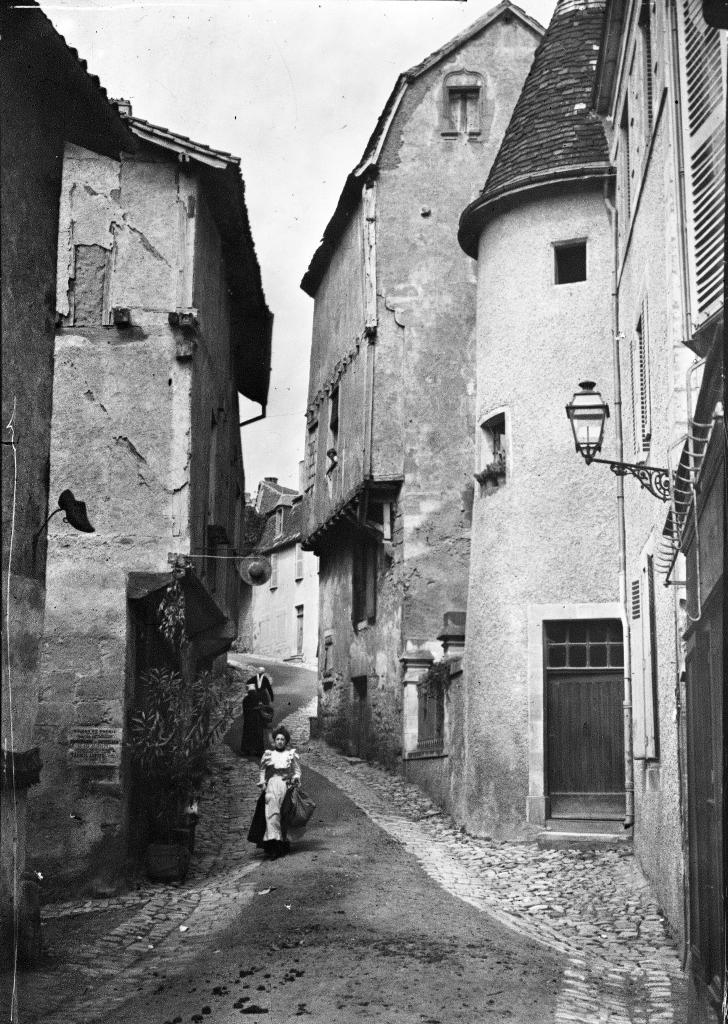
(621, 532)
(254, 419)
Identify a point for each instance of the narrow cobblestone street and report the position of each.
(590, 913)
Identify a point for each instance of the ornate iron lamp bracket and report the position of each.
(651, 478)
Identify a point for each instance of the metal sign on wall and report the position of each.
(95, 746)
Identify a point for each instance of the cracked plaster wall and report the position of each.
(131, 437)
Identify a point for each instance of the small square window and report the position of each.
(570, 262)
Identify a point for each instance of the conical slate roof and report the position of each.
(553, 134)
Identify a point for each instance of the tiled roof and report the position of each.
(31, 40)
(269, 494)
(553, 134)
(291, 533)
(351, 192)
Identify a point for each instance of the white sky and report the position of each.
(293, 87)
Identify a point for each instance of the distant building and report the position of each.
(162, 324)
(391, 404)
(281, 616)
(49, 98)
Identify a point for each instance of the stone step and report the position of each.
(554, 840)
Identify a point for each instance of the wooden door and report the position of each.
(704, 673)
(584, 719)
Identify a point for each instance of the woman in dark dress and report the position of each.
(255, 721)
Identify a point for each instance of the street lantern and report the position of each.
(588, 414)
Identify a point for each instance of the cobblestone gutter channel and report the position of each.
(593, 907)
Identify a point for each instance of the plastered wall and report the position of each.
(547, 534)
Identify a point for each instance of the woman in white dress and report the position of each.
(279, 769)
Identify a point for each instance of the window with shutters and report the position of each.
(645, 42)
(299, 562)
(364, 582)
(462, 104)
(644, 661)
(703, 76)
(624, 176)
(641, 402)
(273, 570)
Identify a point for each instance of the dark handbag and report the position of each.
(297, 808)
(266, 713)
(257, 825)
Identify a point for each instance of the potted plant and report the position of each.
(169, 738)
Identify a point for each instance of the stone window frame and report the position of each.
(484, 455)
(538, 614)
(461, 80)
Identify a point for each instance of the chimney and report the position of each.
(123, 107)
(271, 479)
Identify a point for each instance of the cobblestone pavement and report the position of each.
(593, 907)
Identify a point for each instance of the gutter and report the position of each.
(254, 419)
(621, 535)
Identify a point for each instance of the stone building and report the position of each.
(661, 90)
(48, 98)
(280, 618)
(543, 666)
(389, 488)
(162, 324)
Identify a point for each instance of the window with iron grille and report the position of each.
(430, 717)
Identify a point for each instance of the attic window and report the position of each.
(570, 262)
(462, 102)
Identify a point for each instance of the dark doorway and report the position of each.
(360, 716)
(584, 719)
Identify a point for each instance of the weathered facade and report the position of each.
(391, 412)
(163, 323)
(661, 89)
(280, 617)
(48, 98)
(543, 673)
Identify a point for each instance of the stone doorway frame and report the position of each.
(537, 802)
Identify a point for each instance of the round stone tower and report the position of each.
(543, 702)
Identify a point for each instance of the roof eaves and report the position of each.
(474, 216)
(609, 48)
(181, 144)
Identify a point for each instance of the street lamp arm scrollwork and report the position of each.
(587, 414)
(653, 478)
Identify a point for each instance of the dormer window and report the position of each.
(462, 103)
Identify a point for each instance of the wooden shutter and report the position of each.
(638, 710)
(703, 76)
(632, 384)
(299, 562)
(643, 356)
(649, 627)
